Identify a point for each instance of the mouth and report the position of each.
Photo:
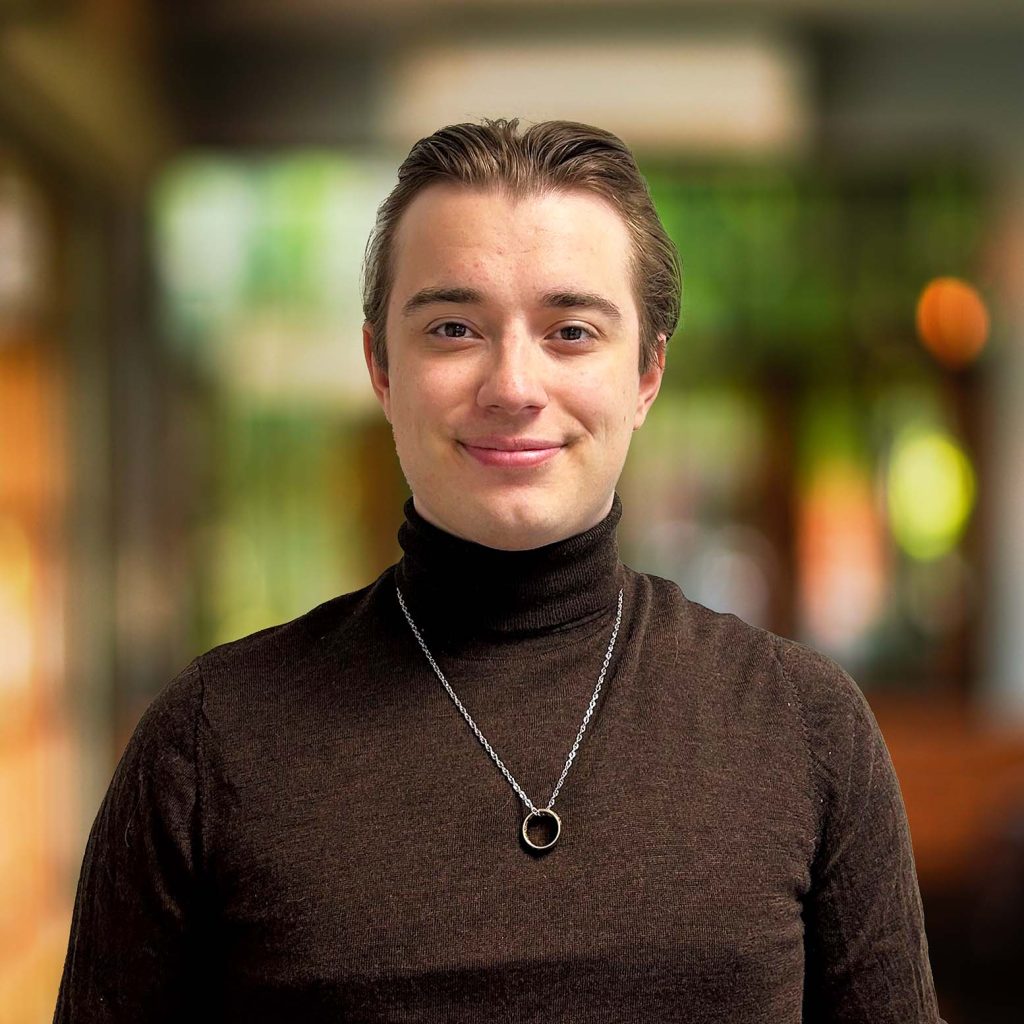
(512, 453)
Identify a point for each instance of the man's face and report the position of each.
(512, 323)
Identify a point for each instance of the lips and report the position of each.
(511, 452)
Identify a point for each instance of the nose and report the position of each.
(513, 375)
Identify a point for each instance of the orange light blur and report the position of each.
(841, 554)
(952, 321)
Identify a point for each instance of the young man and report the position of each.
(512, 779)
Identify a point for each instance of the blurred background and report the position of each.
(190, 449)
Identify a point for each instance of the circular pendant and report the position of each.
(538, 814)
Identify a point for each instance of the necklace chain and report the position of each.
(480, 736)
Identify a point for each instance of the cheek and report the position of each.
(404, 418)
(410, 398)
(422, 408)
(606, 407)
(426, 386)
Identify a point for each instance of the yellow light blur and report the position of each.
(931, 493)
(16, 576)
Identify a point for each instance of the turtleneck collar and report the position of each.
(464, 594)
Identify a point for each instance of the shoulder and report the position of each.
(156, 778)
(851, 770)
(838, 719)
(166, 730)
(224, 676)
(738, 657)
(295, 643)
(714, 644)
(759, 683)
(720, 638)
(827, 692)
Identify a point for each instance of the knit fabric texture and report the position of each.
(303, 826)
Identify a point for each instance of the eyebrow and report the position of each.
(432, 296)
(472, 297)
(582, 300)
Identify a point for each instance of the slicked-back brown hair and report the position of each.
(548, 156)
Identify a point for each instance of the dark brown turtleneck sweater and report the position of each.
(303, 826)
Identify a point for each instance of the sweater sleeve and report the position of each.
(134, 946)
(865, 949)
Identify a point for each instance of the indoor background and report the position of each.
(190, 449)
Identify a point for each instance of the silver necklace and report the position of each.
(535, 812)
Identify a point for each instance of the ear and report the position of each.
(378, 377)
(650, 384)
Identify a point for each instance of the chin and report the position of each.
(516, 525)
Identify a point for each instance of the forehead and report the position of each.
(457, 235)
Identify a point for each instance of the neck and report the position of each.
(463, 594)
(504, 537)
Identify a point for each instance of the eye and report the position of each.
(451, 329)
(576, 332)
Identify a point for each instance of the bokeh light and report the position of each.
(841, 561)
(931, 492)
(952, 321)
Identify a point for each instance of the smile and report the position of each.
(520, 458)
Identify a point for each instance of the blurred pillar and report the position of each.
(1003, 637)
